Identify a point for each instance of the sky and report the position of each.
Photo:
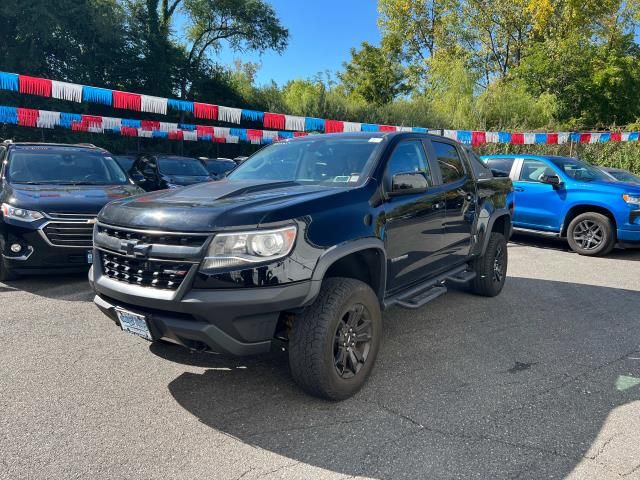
(321, 35)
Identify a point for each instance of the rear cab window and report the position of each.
(500, 166)
(451, 164)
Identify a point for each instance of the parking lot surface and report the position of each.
(540, 382)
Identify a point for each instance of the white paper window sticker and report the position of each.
(375, 139)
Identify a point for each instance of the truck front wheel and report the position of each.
(591, 234)
(334, 344)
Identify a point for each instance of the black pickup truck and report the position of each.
(302, 247)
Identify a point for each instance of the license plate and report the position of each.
(90, 256)
(134, 323)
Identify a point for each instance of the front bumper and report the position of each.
(38, 256)
(238, 322)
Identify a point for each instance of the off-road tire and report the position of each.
(491, 268)
(602, 224)
(313, 339)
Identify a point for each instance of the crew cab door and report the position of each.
(413, 227)
(459, 190)
(538, 205)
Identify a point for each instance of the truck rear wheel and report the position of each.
(591, 234)
(333, 346)
(491, 268)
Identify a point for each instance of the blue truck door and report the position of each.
(538, 205)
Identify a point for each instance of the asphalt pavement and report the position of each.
(540, 382)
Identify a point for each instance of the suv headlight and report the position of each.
(244, 248)
(632, 199)
(9, 211)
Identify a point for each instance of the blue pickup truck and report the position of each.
(568, 198)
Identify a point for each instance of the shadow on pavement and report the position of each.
(71, 287)
(518, 386)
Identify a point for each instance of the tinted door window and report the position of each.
(451, 166)
(409, 157)
(534, 170)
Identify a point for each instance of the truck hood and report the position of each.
(612, 186)
(213, 205)
(66, 198)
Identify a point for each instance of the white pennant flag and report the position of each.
(66, 91)
(153, 104)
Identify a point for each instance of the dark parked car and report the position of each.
(301, 247)
(620, 175)
(160, 172)
(219, 167)
(50, 196)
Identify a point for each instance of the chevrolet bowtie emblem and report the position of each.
(92, 221)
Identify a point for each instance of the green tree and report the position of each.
(373, 75)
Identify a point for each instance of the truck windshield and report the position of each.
(41, 165)
(341, 161)
(578, 169)
(188, 167)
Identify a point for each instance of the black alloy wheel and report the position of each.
(353, 341)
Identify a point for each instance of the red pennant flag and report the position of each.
(126, 100)
(254, 135)
(149, 125)
(388, 128)
(204, 130)
(300, 134)
(79, 127)
(616, 137)
(478, 138)
(91, 121)
(517, 138)
(34, 86)
(274, 120)
(129, 131)
(219, 140)
(177, 135)
(333, 126)
(552, 138)
(205, 110)
(28, 117)
(585, 137)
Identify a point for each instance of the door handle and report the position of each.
(436, 206)
(518, 189)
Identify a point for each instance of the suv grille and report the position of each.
(146, 273)
(158, 238)
(70, 230)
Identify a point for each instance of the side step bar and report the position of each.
(422, 294)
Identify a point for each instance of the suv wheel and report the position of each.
(333, 346)
(491, 268)
(591, 234)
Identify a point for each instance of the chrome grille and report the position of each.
(70, 230)
(146, 273)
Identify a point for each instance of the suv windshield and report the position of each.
(64, 166)
(578, 169)
(338, 161)
(187, 167)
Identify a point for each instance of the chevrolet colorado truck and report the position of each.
(301, 248)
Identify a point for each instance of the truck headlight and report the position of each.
(9, 211)
(632, 199)
(244, 248)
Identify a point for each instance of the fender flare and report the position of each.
(335, 253)
(496, 214)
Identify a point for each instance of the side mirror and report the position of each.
(408, 183)
(553, 180)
